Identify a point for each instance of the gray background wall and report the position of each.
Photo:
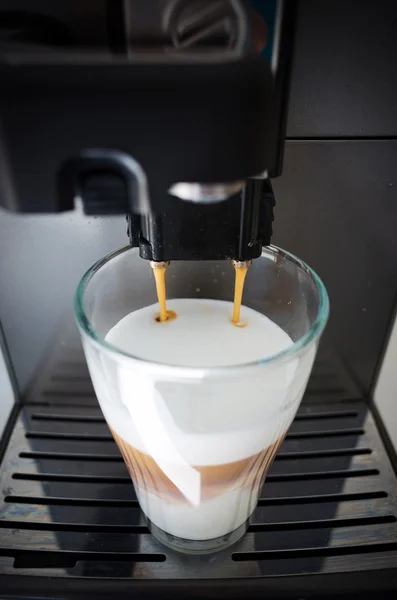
(336, 199)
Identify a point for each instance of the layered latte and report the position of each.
(197, 413)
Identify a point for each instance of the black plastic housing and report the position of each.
(204, 122)
(204, 114)
(236, 228)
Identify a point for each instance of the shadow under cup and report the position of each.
(198, 442)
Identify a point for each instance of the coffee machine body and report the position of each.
(71, 137)
(164, 119)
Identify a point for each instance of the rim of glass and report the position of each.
(313, 332)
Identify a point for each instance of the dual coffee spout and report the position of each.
(235, 228)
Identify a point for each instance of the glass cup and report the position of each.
(198, 442)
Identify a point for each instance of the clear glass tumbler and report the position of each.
(198, 442)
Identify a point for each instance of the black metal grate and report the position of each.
(68, 508)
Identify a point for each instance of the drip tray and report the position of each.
(70, 523)
(68, 508)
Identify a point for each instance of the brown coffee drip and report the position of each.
(215, 479)
(241, 268)
(171, 316)
(159, 270)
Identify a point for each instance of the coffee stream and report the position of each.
(159, 270)
(241, 269)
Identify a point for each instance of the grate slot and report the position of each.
(315, 552)
(323, 453)
(50, 501)
(70, 478)
(295, 435)
(141, 529)
(66, 418)
(336, 414)
(57, 501)
(317, 498)
(84, 437)
(282, 456)
(322, 524)
(270, 501)
(346, 473)
(271, 477)
(74, 527)
(42, 559)
(71, 456)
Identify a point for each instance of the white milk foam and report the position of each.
(201, 336)
(202, 421)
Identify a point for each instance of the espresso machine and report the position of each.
(165, 124)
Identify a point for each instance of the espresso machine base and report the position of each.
(70, 521)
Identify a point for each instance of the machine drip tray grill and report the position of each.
(69, 515)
